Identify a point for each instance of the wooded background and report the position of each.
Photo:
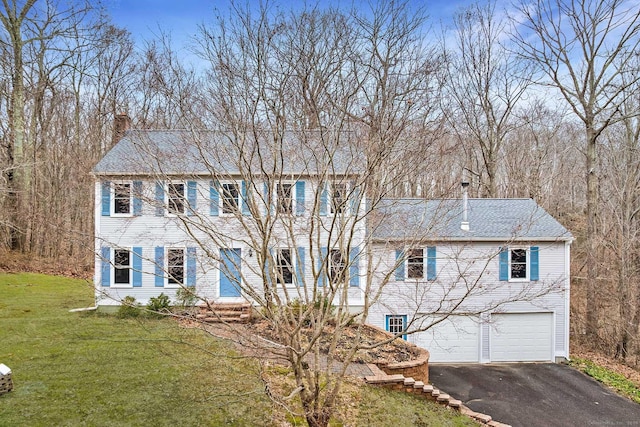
(542, 103)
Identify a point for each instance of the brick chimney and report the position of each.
(121, 124)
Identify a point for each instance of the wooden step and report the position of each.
(222, 312)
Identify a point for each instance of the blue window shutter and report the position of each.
(322, 264)
(324, 197)
(504, 264)
(214, 198)
(400, 265)
(355, 200)
(245, 200)
(354, 267)
(191, 267)
(137, 267)
(404, 325)
(159, 259)
(105, 253)
(300, 198)
(300, 266)
(266, 197)
(106, 198)
(431, 263)
(192, 197)
(159, 199)
(137, 198)
(534, 264)
(267, 267)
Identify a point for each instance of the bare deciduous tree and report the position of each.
(485, 83)
(583, 48)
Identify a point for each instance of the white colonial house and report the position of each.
(239, 219)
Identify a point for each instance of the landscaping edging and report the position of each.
(399, 382)
(417, 368)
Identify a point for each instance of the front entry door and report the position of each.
(230, 273)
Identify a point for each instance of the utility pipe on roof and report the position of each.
(465, 207)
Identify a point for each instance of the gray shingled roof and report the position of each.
(489, 219)
(182, 152)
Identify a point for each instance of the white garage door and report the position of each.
(521, 337)
(456, 339)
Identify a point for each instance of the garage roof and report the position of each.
(489, 219)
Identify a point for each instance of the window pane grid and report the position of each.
(338, 197)
(175, 266)
(415, 264)
(176, 198)
(230, 194)
(122, 198)
(396, 324)
(337, 266)
(285, 198)
(518, 264)
(122, 266)
(284, 267)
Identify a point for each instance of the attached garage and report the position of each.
(521, 337)
(456, 339)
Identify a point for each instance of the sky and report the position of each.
(144, 18)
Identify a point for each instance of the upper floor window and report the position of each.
(284, 266)
(230, 198)
(415, 264)
(122, 198)
(175, 266)
(284, 192)
(519, 264)
(176, 199)
(122, 267)
(338, 197)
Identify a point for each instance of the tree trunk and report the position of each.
(593, 303)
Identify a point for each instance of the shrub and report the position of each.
(186, 297)
(129, 308)
(159, 304)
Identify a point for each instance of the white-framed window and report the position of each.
(175, 266)
(121, 267)
(285, 193)
(176, 198)
(396, 324)
(339, 195)
(121, 201)
(518, 264)
(230, 197)
(337, 266)
(415, 264)
(284, 266)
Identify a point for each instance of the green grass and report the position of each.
(608, 377)
(94, 369)
(381, 407)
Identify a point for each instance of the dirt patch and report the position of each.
(394, 351)
(258, 338)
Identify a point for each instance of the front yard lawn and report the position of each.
(95, 369)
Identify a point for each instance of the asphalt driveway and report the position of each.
(535, 394)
